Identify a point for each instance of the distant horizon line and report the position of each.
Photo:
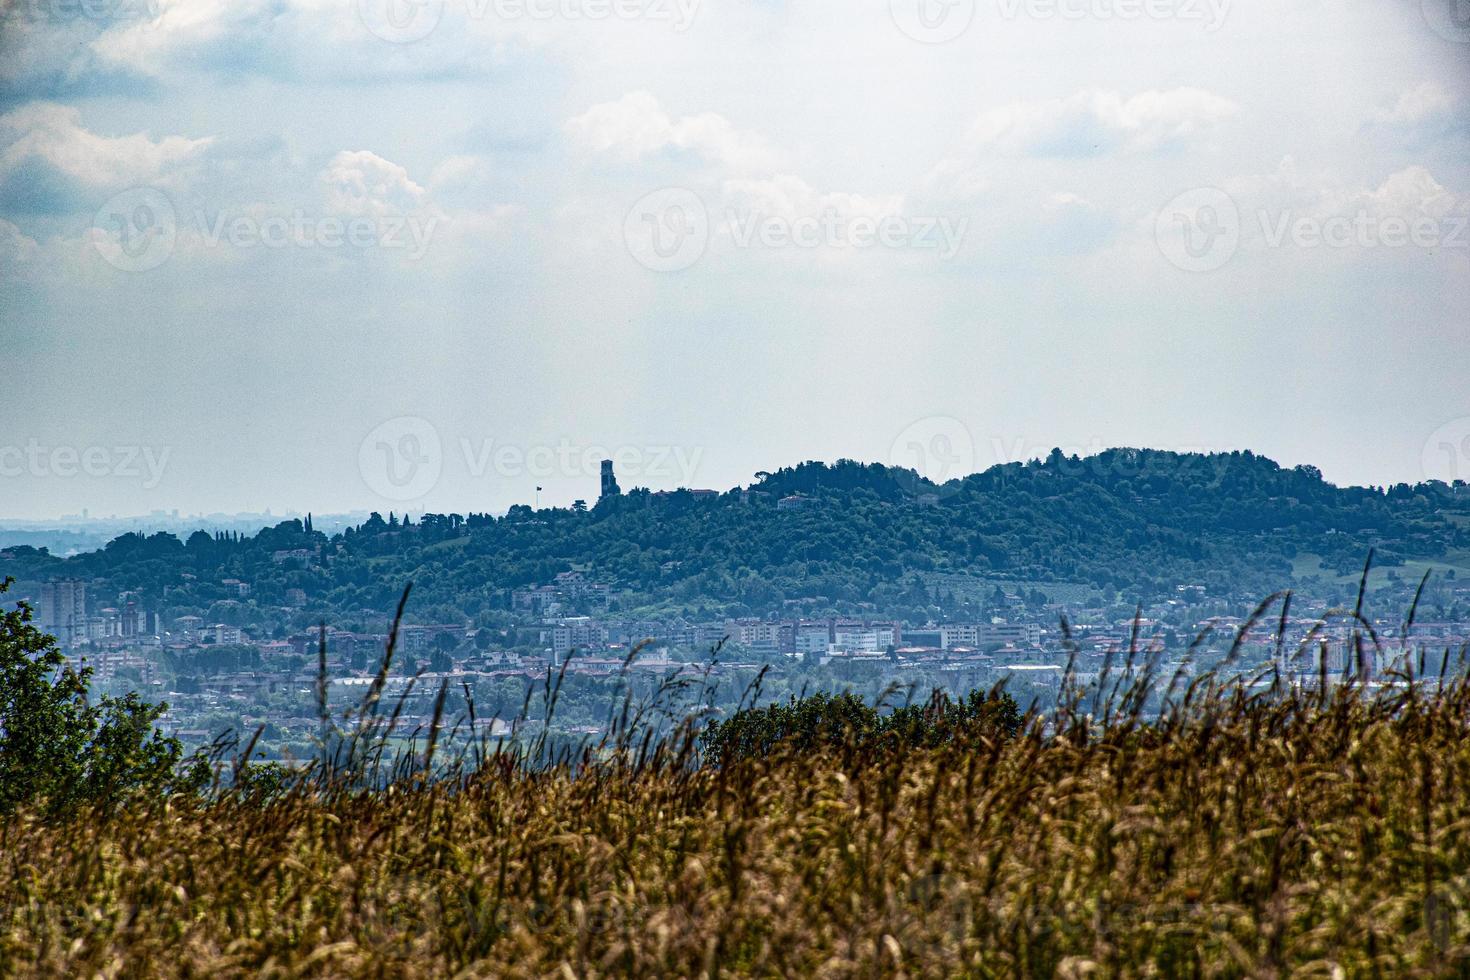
(177, 515)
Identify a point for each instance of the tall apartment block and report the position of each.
(64, 611)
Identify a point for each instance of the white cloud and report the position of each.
(54, 135)
(474, 122)
(460, 170)
(1424, 102)
(1094, 123)
(145, 46)
(1090, 130)
(1071, 224)
(1411, 192)
(637, 126)
(361, 182)
(299, 41)
(15, 246)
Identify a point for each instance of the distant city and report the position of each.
(232, 627)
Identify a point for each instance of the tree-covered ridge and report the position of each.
(1136, 522)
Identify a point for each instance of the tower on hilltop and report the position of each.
(609, 481)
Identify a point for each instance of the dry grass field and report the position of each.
(1232, 835)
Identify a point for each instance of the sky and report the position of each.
(434, 254)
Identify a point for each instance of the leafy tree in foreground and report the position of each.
(58, 748)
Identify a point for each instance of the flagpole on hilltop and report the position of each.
(538, 498)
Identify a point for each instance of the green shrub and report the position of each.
(823, 721)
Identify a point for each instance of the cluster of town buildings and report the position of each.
(570, 623)
(62, 611)
(132, 638)
(801, 638)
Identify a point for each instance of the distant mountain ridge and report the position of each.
(1134, 522)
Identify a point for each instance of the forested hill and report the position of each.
(1134, 522)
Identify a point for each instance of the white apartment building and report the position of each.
(864, 639)
(813, 638)
(988, 634)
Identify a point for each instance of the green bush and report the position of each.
(823, 721)
(59, 749)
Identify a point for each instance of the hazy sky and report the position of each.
(331, 254)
